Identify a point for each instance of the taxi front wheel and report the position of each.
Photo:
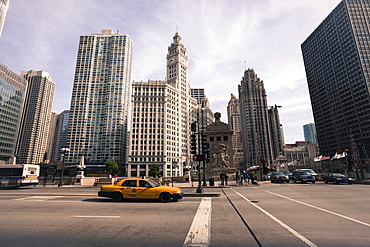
(117, 197)
(165, 197)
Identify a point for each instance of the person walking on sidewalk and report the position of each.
(223, 178)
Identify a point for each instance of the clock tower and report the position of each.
(177, 66)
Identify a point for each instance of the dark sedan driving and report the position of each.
(337, 178)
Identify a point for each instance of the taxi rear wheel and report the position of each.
(117, 197)
(165, 197)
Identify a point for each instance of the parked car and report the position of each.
(139, 188)
(287, 173)
(303, 177)
(279, 177)
(310, 171)
(337, 178)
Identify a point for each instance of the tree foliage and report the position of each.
(154, 170)
(111, 167)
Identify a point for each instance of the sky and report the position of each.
(222, 37)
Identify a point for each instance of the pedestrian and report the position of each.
(241, 178)
(246, 178)
(252, 177)
(222, 177)
(226, 177)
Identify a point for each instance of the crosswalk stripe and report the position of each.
(199, 234)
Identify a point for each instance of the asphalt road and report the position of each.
(268, 215)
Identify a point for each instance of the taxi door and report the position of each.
(146, 190)
(129, 189)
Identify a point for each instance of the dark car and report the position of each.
(310, 171)
(287, 173)
(337, 178)
(279, 177)
(303, 177)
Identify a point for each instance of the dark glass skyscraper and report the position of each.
(337, 62)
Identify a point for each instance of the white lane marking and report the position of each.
(295, 233)
(96, 216)
(199, 234)
(324, 210)
(37, 198)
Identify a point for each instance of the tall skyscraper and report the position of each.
(162, 112)
(100, 99)
(51, 135)
(276, 135)
(33, 135)
(233, 115)
(261, 128)
(204, 110)
(337, 62)
(60, 135)
(309, 132)
(4, 4)
(12, 93)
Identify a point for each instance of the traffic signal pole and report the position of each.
(195, 150)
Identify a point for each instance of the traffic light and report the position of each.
(201, 158)
(195, 158)
(193, 144)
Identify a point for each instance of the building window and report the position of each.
(133, 173)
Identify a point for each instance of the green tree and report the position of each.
(111, 167)
(154, 170)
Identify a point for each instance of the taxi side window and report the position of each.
(143, 183)
(129, 183)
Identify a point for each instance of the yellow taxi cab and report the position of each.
(140, 188)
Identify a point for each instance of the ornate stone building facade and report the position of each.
(219, 136)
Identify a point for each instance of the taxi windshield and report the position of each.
(153, 183)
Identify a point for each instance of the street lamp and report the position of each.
(174, 165)
(64, 149)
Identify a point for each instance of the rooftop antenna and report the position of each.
(177, 28)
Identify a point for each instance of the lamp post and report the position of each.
(64, 149)
(174, 165)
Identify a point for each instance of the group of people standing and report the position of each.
(244, 178)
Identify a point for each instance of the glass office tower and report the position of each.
(12, 93)
(4, 5)
(337, 62)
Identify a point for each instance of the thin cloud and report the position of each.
(219, 37)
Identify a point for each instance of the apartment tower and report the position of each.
(34, 131)
(100, 99)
